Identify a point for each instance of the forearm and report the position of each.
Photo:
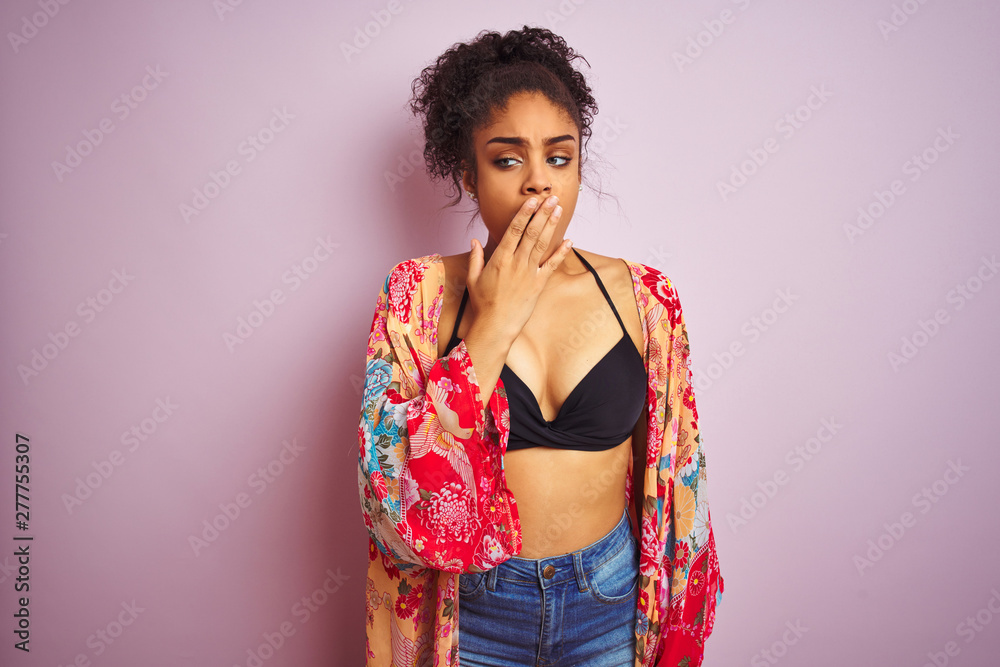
(411, 480)
(487, 347)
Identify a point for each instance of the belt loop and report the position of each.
(581, 576)
(491, 578)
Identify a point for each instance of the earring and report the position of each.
(471, 195)
(581, 187)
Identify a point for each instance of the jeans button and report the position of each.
(548, 572)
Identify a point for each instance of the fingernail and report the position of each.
(532, 203)
(556, 211)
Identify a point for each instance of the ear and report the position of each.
(468, 184)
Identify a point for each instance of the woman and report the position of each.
(504, 430)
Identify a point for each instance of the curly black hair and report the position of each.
(467, 83)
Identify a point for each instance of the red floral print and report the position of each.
(435, 500)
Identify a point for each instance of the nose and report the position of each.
(537, 181)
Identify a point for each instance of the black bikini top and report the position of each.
(598, 414)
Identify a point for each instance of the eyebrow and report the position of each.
(519, 141)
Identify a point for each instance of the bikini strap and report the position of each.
(604, 291)
(465, 298)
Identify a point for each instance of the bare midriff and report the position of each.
(566, 499)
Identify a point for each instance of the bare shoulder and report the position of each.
(452, 262)
(614, 272)
(456, 269)
(617, 279)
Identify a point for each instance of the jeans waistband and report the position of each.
(546, 572)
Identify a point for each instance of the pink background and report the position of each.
(798, 539)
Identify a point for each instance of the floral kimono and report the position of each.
(435, 499)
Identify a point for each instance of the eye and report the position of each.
(501, 161)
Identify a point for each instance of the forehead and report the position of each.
(530, 115)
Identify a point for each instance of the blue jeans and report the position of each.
(574, 609)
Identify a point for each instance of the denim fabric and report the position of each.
(583, 614)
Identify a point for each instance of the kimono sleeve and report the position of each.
(691, 565)
(430, 462)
